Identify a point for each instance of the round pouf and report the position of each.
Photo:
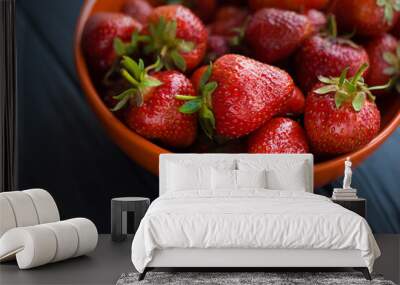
(119, 208)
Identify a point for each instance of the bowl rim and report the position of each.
(111, 122)
(90, 91)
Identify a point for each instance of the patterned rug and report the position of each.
(243, 278)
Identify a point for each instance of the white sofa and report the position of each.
(31, 231)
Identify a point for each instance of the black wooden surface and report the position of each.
(8, 98)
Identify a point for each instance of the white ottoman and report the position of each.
(37, 245)
(31, 231)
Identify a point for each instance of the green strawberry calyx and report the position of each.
(127, 48)
(393, 70)
(202, 103)
(163, 42)
(352, 89)
(137, 75)
(389, 8)
(122, 48)
(331, 33)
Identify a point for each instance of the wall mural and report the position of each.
(92, 129)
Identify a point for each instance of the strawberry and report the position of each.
(98, 37)
(295, 5)
(367, 18)
(152, 110)
(340, 114)
(278, 135)
(177, 36)
(318, 20)
(384, 56)
(216, 47)
(137, 9)
(203, 8)
(274, 34)
(228, 20)
(237, 95)
(328, 55)
(295, 104)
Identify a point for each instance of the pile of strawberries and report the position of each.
(257, 76)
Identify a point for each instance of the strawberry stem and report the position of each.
(352, 89)
(136, 74)
(389, 8)
(162, 42)
(202, 103)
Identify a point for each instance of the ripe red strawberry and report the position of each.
(227, 20)
(340, 114)
(384, 56)
(278, 135)
(98, 37)
(203, 8)
(177, 36)
(318, 20)
(327, 55)
(274, 34)
(295, 5)
(237, 95)
(153, 110)
(368, 17)
(216, 47)
(138, 9)
(295, 104)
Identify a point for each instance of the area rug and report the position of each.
(244, 278)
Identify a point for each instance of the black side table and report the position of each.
(358, 205)
(119, 209)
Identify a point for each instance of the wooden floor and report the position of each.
(110, 260)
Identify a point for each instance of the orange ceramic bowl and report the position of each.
(146, 153)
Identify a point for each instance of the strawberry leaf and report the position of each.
(185, 46)
(332, 27)
(170, 29)
(359, 73)
(128, 92)
(326, 80)
(185, 97)
(121, 103)
(343, 76)
(151, 82)
(340, 97)
(325, 89)
(207, 121)
(381, 87)
(191, 106)
(178, 60)
(210, 87)
(205, 76)
(129, 78)
(358, 101)
(389, 6)
(131, 66)
(119, 47)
